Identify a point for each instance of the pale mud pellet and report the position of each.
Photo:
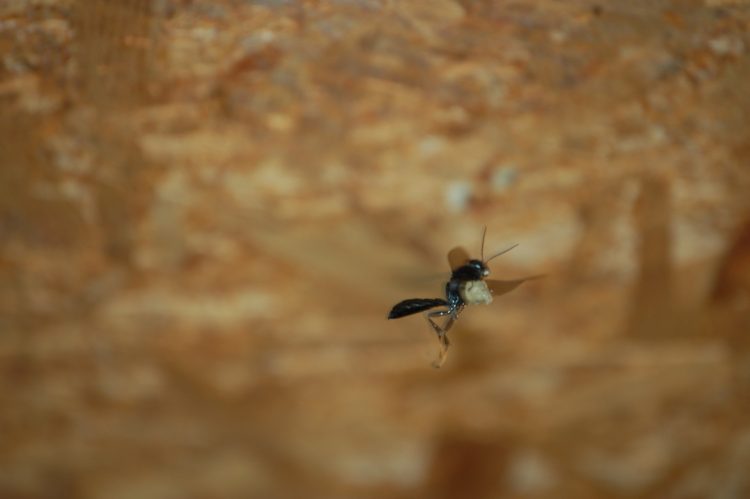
(476, 293)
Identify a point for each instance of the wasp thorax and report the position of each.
(475, 293)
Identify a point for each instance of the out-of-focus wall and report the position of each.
(208, 208)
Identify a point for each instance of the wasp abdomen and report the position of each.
(415, 305)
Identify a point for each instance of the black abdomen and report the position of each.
(415, 305)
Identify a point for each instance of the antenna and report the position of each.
(481, 250)
(501, 253)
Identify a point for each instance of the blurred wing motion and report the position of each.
(415, 305)
(457, 257)
(502, 287)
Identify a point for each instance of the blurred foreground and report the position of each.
(208, 208)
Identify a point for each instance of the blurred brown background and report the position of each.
(207, 209)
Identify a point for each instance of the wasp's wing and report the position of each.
(498, 287)
(457, 257)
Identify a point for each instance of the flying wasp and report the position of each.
(468, 285)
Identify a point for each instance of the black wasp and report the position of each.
(467, 286)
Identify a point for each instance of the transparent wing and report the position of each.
(498, 287)
(457, 257)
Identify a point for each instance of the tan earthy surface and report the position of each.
(207, 209)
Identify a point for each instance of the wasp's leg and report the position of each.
(442, 333)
